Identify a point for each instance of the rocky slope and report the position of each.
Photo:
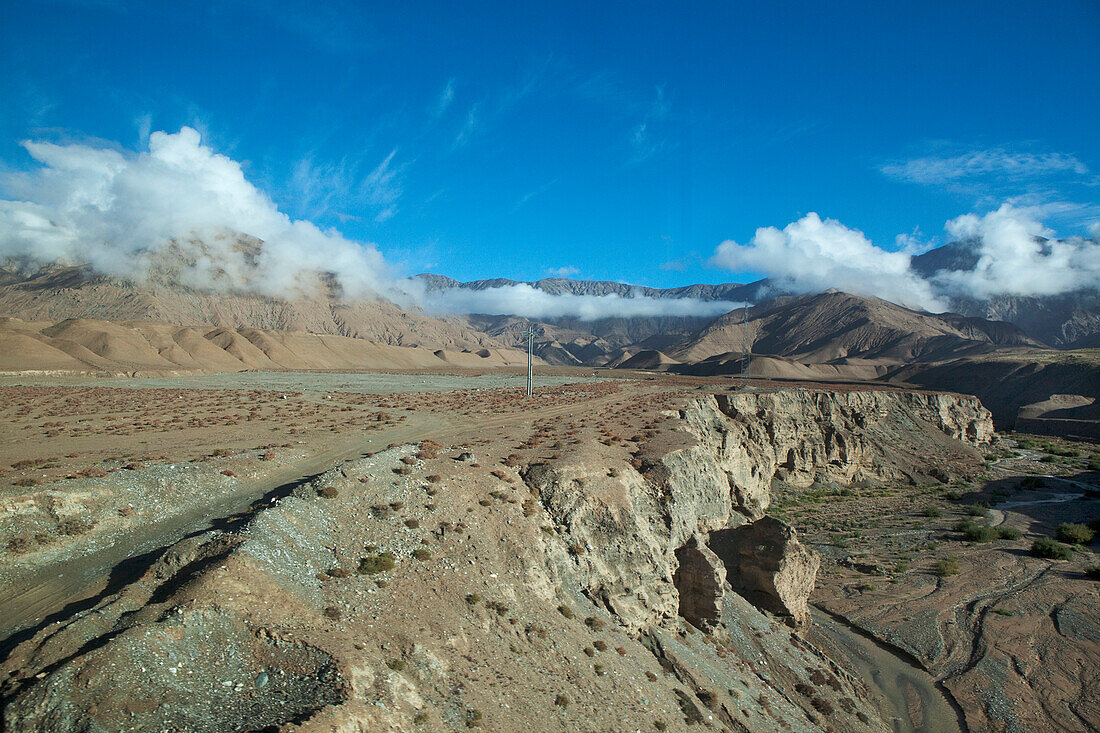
(148, 347)
(835, 326)
(415, 589)
(57, 293)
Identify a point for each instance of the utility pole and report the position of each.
(530, 334)
(746, 343)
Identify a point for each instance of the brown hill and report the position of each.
(131, 347)
(58, 293)
(834, 327)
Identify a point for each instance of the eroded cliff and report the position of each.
(609, 586)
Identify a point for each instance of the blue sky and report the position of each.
(607, 141)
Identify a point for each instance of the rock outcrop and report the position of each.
(767, 564)
(630, 529)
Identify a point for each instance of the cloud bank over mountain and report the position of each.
(117, 211)
(125, 212)
(1016, 255)
(524, 300)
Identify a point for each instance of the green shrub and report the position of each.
(1032, 482)
(1075, 534)
(1048, 548)
(1093, 571)
(396, 665)
(473, 599)
(377, 564)
(1009, 533)
(421, 554)
(933, 511)
(976, 510)
(947, 566)
(981, 533)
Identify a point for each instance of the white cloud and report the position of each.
(934, 170)
(118, 211)
(382, 188)
(1013, 259)
(811, 255)
(566, 272)
(530, 302)
(443, 101)
(468, 128)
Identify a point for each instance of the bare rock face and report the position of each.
(769, 566)
(632, 532)
(700, 582)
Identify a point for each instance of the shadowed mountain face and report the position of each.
(1066, 321)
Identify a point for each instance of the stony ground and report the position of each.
(411, 590)
(423, 583)
(1014, 637)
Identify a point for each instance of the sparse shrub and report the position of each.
(976, 510)
(933, 512)
(474, 718)
(600, 645)
(226, 472)
(650, 676)
(497, 606)
(561, 701)
(565, 611)
(803, 689)
(1003, 612)
(25, 482)
(947, 566)
(1093, 571)
(75, 526)
(338, 572)
(598, 669)
(397, 665)
(981, 533)
(1075, 534)
(659, 724)
(377, 564)
(333, 613)
(328, 492)
(822, 705)
(594, 623)
(485, 502)
(1032, 482)
(1048, 548)
(1009, 533)
(422, 554)
(590, 651)
(412, 523)
(18, 545)
(472, 599)
(420, 718)
(433, 479)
